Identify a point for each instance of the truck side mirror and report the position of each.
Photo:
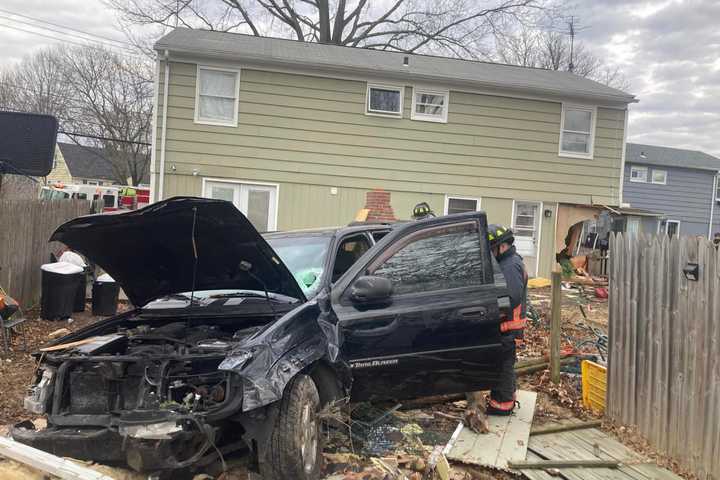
(369, 291)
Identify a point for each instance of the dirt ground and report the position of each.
(344, 458)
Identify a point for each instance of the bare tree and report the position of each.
(452, 27)
(36, 85)
(552, 51)
(112, 108)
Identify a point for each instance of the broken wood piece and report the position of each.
(64, 346)
(543, 366)
(454, 418)
(442, 468)
(545, 464)
(47, 462)
(566, 427)
(59, 333)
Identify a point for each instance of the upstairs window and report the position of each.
(385, 100)
(430, 105)
(659, 177)
(638, 174)
(216, 101)
(577, 134)
(717, 188)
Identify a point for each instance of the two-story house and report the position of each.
(682, 185)
(296, 135)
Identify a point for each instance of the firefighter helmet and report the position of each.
(422, 210)
(498, 234)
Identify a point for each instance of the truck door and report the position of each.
(438, 332)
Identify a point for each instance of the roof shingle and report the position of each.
(283, 53)
(670, 157)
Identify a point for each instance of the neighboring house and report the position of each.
(680, 184)
(80, 165)
(296, 134)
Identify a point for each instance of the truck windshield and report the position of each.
(304, 257)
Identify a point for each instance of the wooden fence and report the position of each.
(664, 362)
(25, 226)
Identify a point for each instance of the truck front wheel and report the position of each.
(295, 442)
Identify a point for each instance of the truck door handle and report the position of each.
(473, 313)
(385, 327)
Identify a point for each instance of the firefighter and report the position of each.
(422, 211)
(502, 398)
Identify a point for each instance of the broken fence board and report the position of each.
(507, 439)
(47, 462)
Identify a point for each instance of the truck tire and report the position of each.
(295, 443)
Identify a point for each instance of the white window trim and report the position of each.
(636, 180)
(384, 113)
(457, 197)
(671, 221)
(427, 117)
(541, 213)
(591, 140)
(717, 187)
(273, 217)
(652, 179)
(198, 120)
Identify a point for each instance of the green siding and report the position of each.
(310, 134)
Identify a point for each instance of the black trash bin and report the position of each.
(59, 284)
(80, 294)
(105, 294)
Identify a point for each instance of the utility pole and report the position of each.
(571, 25)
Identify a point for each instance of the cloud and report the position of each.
(670, 53)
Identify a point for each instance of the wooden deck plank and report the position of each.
(507, 440)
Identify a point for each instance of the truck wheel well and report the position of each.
(327, 382)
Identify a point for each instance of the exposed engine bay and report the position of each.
(168, 367)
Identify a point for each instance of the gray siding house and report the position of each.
(680, 184)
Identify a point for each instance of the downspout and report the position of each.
(153, 140)
(161, 184)
(713, 200)
(622, 157)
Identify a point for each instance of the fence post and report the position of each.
(555, 322)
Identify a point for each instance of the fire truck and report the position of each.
(114, 197)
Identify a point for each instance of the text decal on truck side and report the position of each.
(375, 363)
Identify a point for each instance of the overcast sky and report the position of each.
(669, 50)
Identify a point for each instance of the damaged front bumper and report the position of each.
(146, 448)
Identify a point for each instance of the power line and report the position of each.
(44, 35)
(97, 137)
(65, 27)
(71, 35)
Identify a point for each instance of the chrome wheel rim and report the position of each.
(309, 439)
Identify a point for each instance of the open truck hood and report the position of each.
(151, 251)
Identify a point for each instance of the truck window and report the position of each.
(439, 258)
(349, 251)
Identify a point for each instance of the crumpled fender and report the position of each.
(269, 360)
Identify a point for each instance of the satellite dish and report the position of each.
(27, 143)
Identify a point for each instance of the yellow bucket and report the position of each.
(594, 386)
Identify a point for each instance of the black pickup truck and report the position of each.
(243, 338)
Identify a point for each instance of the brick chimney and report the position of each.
(378, 204)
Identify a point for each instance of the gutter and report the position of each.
(164, 127)
(713, 200)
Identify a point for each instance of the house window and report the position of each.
(216, 100)
(258, 202)
(430, 105)
(576, 136)
(659, 176)
(461, 205)
(638, 174)
(385, 100)
(717, 188)
(672, 228)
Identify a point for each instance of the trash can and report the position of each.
(75, 259)
(59, 287)
(105, 294)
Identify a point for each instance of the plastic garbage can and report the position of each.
(59, 284)
(75, 258)
(105, 293)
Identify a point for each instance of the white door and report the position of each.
(256, 201)
(526, 225)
